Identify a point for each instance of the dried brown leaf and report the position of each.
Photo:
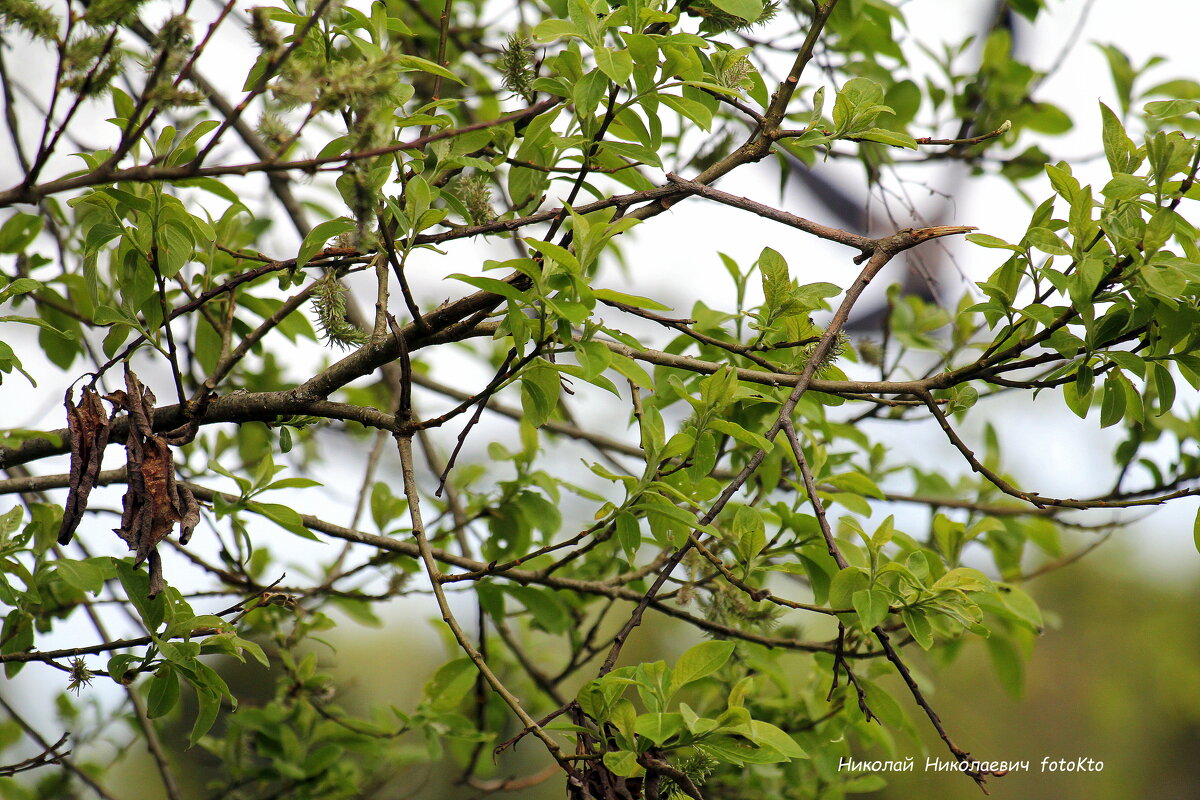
(154, 501)
(88, 426)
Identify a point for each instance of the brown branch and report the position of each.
(153, 744)
(513, 784)
(555, 426)
(428, 559)
(336, 254)
(890, 651)
(235, 407)
(777, 109)
(269, 71)
(1039, 500)
(502, 374)
(983, 137)
(146, 173)
(46, 746)
(885, 250)
(386, 544)
(72, 652)
(1066, 560)
(47, 148)
(51, 755)
(863, 244)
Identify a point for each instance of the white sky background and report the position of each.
(673, 259)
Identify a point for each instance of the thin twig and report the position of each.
(880, 634)
(412, 492)
(46, 746)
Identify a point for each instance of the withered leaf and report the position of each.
(88, 426)
(154, 500)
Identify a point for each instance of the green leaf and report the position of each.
(315, 241)
(616, 64)
(1022, 605)
(285, 517)
(385, 506)
(845, 584)
(320, 760)
(450, 684)
(1063, 181)
(408, 63)
(292, 483)
(885, 706)
(16, 636)
(1045, 118)
(987, 240)
(699, 661)
(209, 705)
(737, 752)
(193, 136)
(632, 371)
(628, 535)
(1078, 394)
(1006, 661)
(1165, 109)
(749, 10)
(749, 533)
(659, 727)
(634, 300)
(1125, 187)
(491, 285)
(555, 253)
(136, 584)
(588, 91)
(84, 576)
(213, 186)
(1118, 148)
(163, 692)
(634, 152)
(892, 138)
(1112, 406)
(856, 483)
(9, 521)
(1164, 384)
(586, 21)
(549, 30)
(776, 280)
(1047, 241)
(918, 626)
(623, 763)
(872, 607)
(741, 434)
(695, 111)
(119, 664)
(764, 734)
(17, 287)
(856, 106)
(18, 232)
(181, 653)
(1196, 530)
(540, 390)
(963, 579)
(548, 614)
